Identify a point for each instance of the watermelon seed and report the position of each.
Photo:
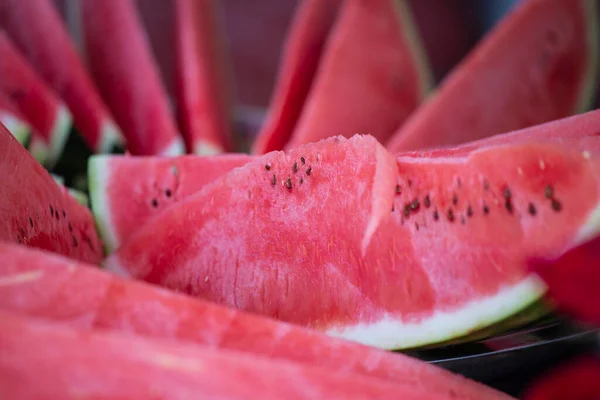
(168, 192)
(301, 181)
(531, 209)
(154, 203)
(303, 160)
(398, 189)
(308, 170)
(450, 215)
(274, 180)
(427, 201)
(507, 193)
(51, 211)
(416, 226)
(414, 205)
(548, 192)
(393, 207)
(70, 227)
(508, 205)
(288, 184)
(436, 216)
(30, 222)
(64, 213)
(295, 167)
(556, 206)
(454, 199)
(406, 210)
(56, 215)
(486, 210)
(469, 211)
(75, 243)
(267, 167)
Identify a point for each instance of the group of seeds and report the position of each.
(298, 167)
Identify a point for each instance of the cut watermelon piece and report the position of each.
(35, 211)
(35, 283)
(13, 120)
(370, 79)
(121, 63)
(36, 28)
(539, 64)
(121, 206)
(201, 90)
(36, 101)
(393, 260)
(306, 40)
(46, 360)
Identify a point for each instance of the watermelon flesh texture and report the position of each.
(303, 48)
(120, 61)
(36, 27)
(13, 120)
(35, 211)
(398, 268)
(36, 101)
(372, 75)
(36, 283)
(153, 183)
(539, 64)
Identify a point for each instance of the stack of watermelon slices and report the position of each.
(370, 216)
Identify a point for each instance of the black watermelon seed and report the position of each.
(295, 167)
(30, 222)
(454, 199)
(414, 205)
(436, 216)
(507, 193)
(64, 213)
(154, 203)
(548, 192)
(427, 201)
(56, 215)
(416, 226)
(302, 160)
(288, 183)
(308, 170)
(168, 193)
(556, 206)
(398, 189)
(267, 167)
(75, 242)
(469, 211)
(531, 209)
(51, 211)
(393, 207)
(70, 227)
(486, 210)
(406, 210)
(274, 180)
(301, 181)
(450, 215)
(508, 205)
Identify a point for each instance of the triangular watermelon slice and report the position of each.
(36, 101)
(371, 77)
(37, 212)
(302, 51)
(36, 28)
(124, 189)
(342, 237)
(539, 64)
(13, 120)
(36, 283)
(153, 183)
(120, 60)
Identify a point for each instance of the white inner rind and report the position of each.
(98, 176)
(110, 135)
(60, 133)
(391, 333)
(205, 148)
(590, 229)
(19, 129)
(176, 148)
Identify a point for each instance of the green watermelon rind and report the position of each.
(97, 178)
(80, 197)
(110, 137)
(49, 155)
(19, 128)
(589, 83)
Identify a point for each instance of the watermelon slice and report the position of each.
(121, 63)
(539, 64)
(372, 76)
(36, 101)
(37, 212)
(51, 361)
(396, 253)
(36, 28)
(202, 100)
(13, 120)
(153, 183)
(306, 40)
(35, 283)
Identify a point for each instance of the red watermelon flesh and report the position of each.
(372, 75)
(13, 120)
(303, 49)
(201, 90)
(36, 101)
(37, 29)
(340, 237)
(35, 211)
(539, 64)
(52, 361)
(120, 60)
(44, 286)
(127, 191)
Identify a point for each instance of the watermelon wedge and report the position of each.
(35, 284)
(37, 212)
(396, 252)
(539, 64)
(202, 99)
(120, 61)
(13, 120)
(36, 27)
(372, 75)
(302, 52)
(36, 101)
(153, 183)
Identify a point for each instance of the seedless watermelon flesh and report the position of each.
(36, 28)
(13, 120)
(126, 191)
(36, 101)
(35, 284)
(35, 211)
(539, 64)
(340, 237)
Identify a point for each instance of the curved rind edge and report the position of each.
(110, 135)
(589, 83)
(59, 136)
(175, 148)
(98, 179)
(19, 128)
